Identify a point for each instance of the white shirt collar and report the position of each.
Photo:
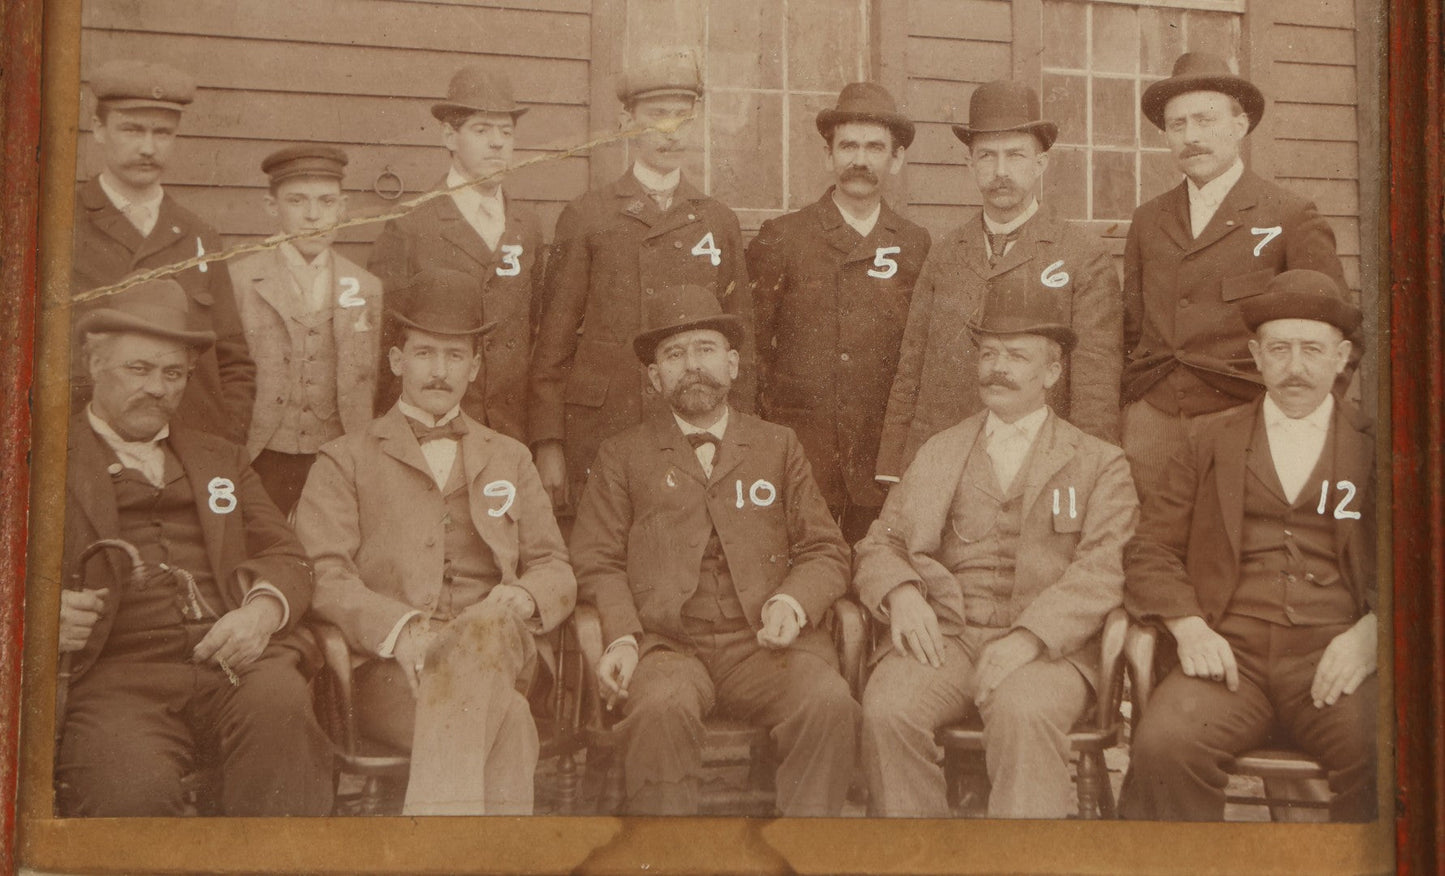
(1016, 222)
(718, 429)
(1213, 192)
(863, 226)
(1029, 424)
(296, 260)
(114, 439)
(654, 181)
(1319, 418)
(425, 418)
(470, 195)
(152, 198)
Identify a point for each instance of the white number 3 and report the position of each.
(881, 259)
(706, 247)
(223, 495)
(500, 488)
(1054, 277)
(510, 266)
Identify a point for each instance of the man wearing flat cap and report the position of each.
(126, 223)
(615, 250)
(438, 558)
(935, 387)
(831, 284)
(478, 230)
(312, 318)
(1195, 254)
(993, 565)
(178, 631)
(711, 557)
(1257, 556)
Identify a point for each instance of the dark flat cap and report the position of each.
(305, 160)
(1301, 294)
(132, 84)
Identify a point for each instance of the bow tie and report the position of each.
(698, 439)
(453, 428)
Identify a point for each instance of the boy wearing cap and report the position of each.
(1195, 254)
(125, 223)
(1014, 234)
(1257, 555)
(711, 557)
(312, 320)
(437, 556)
(615, 249)
(831, 284)
(477, 230)
(993, 565)
(189, 652)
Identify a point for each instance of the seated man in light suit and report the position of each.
(711, 556)
(1258, 557)
(994, 564)
(437, 555)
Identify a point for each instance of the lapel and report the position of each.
(398, 442)
(456, 229)
(1040, 228)
(972, 246)
(1354, 460)
(682, 212)
(90, 488)
(633, 202)
(673, 445)
(272, 284)
(836, 232)
(1174, 216)
(347, 322)
(1231, 216)
(735, 443)
(1232, 455)
(201, 465)
(1261, 461)
(108, 220)
(475, 455)
(976, 454)
(1053, 447)
(168, 231)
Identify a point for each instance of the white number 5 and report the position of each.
(511, 266)
(881, 259)
(500, 488)
(706, 247)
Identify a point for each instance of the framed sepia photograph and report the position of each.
(722, 436)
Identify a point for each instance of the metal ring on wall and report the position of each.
(390, 194)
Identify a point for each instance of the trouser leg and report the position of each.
(1151, 437)
(1026, 724)
(663, 731)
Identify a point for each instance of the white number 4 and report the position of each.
(1269, 234)
(510, 266)
(1340, 512)
(706, 247)
(881, 260)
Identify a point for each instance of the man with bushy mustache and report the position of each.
(935, 387)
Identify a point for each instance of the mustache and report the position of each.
(862, 173)
(1001, 187)
(998, 380)
(1296, 383)
(697, 379)
(437, 384)
(1193, 151)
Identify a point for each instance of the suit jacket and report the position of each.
(1182, 294)
(649, 511)
(937, 381)
(830, 312)
(108, 248)
(248, 544)
(1069, 568)
(1185, 558)
(265, 299)
(371, 519)
(436, 235)
(613, 249)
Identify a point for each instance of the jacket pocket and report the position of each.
(1245, 285)
(1067, 507)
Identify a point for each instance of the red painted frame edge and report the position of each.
(1417, 331)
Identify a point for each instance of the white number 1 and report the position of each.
(706, 247)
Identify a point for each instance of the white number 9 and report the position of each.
(500, 488)
(223, 495)
(1053, 277)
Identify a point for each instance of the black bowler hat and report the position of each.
(1301, 294)
(1201, 71)
(1018, 303)
(306, 160)
(476, 89)
(439, 301)
(677, 309)
(158, 308)
(1004, 105)
(866, 102)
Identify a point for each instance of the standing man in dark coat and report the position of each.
(1195, 254)
(615, 250)
(475, 229)
(711, 558)
(1257, 555)
(831, 285)
(1019, 242)
(126, 223)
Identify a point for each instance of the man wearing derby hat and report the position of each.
(477, 230)
(125, 223)
(1008, 143)
(615, 250)
(1257, 556)
(438, 558)
(1195, 254)
(831, 284)
(993, 565)
(194, 655)
(312, 318)
(711, 557)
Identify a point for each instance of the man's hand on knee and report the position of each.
(79, 610)
(513, 598)
(1203, 653)
(240, 635)
(780, 625)
(913, 625)
(1001, 657)
(1349, 659)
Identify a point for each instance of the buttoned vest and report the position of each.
(714, 607)
(310, 417)
(983, 558)
(469, 569)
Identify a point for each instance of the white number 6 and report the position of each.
(223, 495)
(350, 293)
(500, 488)
(1053, 277)
(881, 259)
(511, 253)
(706, 247)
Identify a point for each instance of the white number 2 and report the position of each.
(706, 247)
(350, 293)
(881, 260)
(511, 265)
(1341, 513)
(1054, 277)
(500, 488)
(223, 495)
(1269, 233)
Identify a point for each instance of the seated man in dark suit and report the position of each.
(198, 651)
(1258, 557)
(711, 556)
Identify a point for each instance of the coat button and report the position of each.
(692, 217)
(1184, 302)
(647, 291)
(677, 244)
(843, 356)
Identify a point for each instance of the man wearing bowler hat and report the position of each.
(615, 250)
(831, 285)
(477, 230)
(126, 223)
(312, 318)
(1257, 556)
(438, 558)
(711, 557)
(1195, 254)
(1008, 143)
(179, 638)
(993, 566)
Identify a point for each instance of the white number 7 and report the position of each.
(1269, 233)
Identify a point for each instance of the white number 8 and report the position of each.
(500, 488)
(223, 495)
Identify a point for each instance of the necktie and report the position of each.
(142, 216)
(705, 445)
(453, 428)
(998, 243)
